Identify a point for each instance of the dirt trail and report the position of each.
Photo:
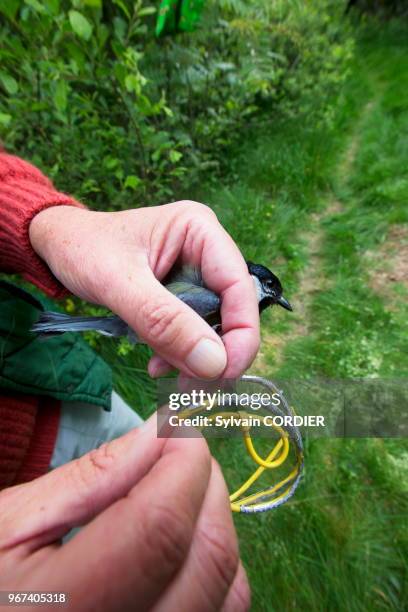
(388, 265)
(312, 278)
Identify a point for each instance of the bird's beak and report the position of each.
(284, 303)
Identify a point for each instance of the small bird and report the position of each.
(187, 284)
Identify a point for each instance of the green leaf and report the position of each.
(175, 156)
(37, 6)
(93, 3)
(120, 28)
(76, 53)
(120, 73)
(5, 119)
(148, 10)
(9, 8)
(80, 24)
(53, 6)
(133, 83)
(61, 95)
(111, 162)
(9, 83)
(122, 6)
(132, 181)
(16, 47)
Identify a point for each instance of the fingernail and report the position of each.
(207, 359)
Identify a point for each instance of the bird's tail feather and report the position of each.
(58, 323)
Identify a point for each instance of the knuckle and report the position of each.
(243, 596)
(163, 325)
(101, 458)
(187, 204)
(92, 467)
(171, 534)
(240, 593)
(196, 207)
(206, 211)
(219, 550)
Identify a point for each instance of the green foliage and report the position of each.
(382, 8)
(119, 118)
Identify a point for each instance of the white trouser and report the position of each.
(84, 427)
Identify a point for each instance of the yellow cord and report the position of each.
(262, 462)
(236, 507)
(276, 457)
(256, 474)
(269, 463)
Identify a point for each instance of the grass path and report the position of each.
(312, 278)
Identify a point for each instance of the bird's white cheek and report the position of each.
(258, 288)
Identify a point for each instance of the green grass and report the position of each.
(342, 542)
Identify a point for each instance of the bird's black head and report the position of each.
(268, 286)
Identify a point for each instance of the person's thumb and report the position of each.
(177, 333)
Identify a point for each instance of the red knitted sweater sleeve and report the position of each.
(24, 192)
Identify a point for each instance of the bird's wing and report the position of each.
(203, 301)
(185, 274)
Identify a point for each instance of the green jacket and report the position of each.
(63, 366)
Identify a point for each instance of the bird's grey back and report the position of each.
(185, 274)
(187, 284)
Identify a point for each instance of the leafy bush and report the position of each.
(383, 8)
(121, 118)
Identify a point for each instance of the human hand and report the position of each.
(117, 259)
(158, 535)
